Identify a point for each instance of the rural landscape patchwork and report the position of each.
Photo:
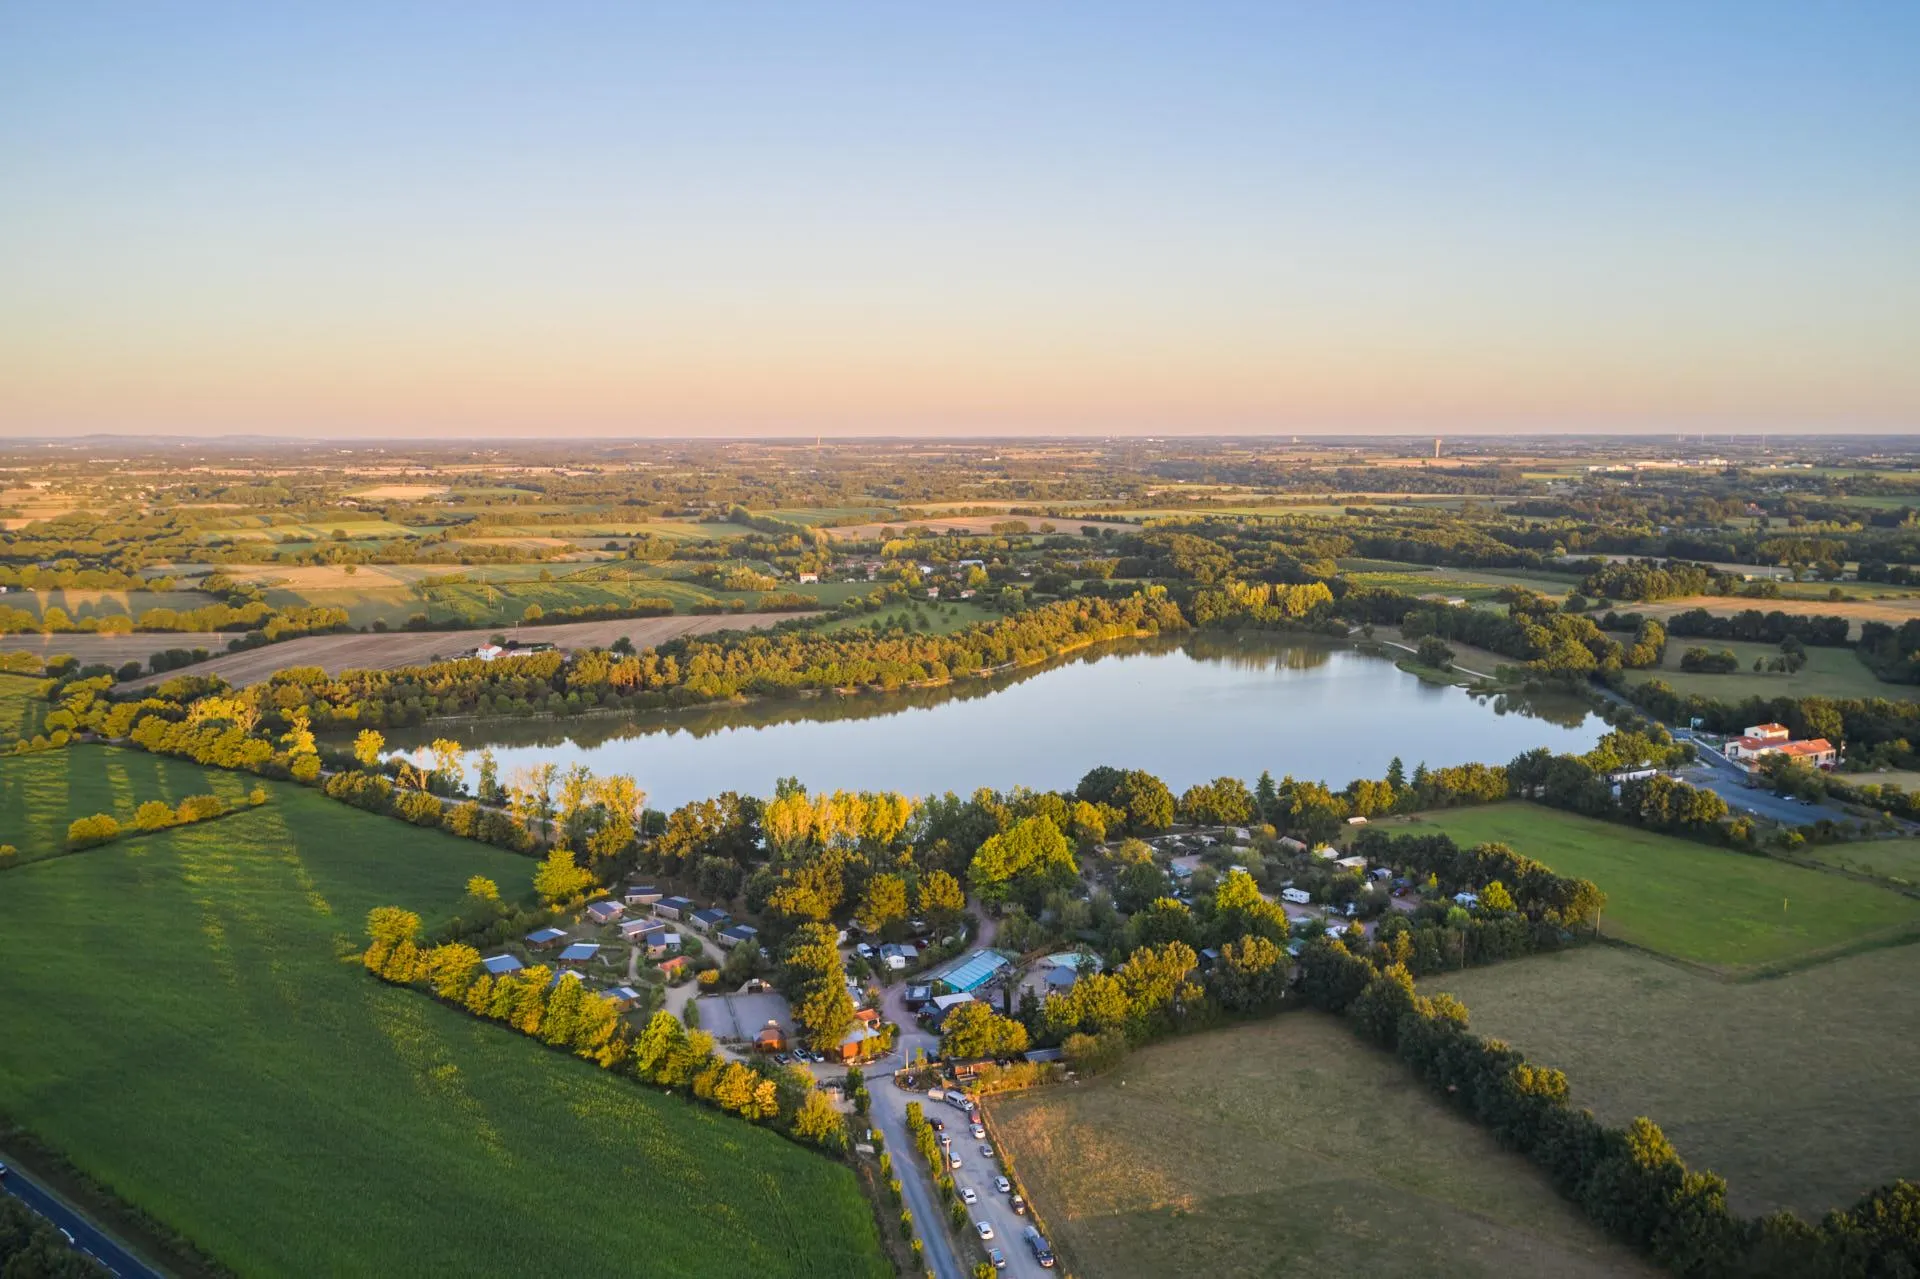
(1218, 857)
(1224, 640)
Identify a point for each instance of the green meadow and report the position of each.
(1723, 910)
(21, 710)
(188, 1024)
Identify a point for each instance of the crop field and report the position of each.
(113, 649)
(1893, 611)
(1829, 672)
(187, 1024)
(21, 711)
(942, 620)
(1803, 1091)
(40, 793)
(351, 651)
(1283, 1147)
(1469, 583)
(823, 514)
(1726, 911)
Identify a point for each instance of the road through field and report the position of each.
(87, 1237)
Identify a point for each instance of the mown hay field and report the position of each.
(1283, 1147)
(1728, 911)
(187, 1023)
(1803, 1091)
(42, 792)
(1893, 611)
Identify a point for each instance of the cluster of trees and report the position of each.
(1629, 1181)
(814, 979)
(1702, 661)
(1750, 624)
(1654, 580)
(1891, 652)
(1265, 603)
(1534, 631)
(154, 814)
(568, 1016)
(31, 1248)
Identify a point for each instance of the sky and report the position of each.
(505, 219)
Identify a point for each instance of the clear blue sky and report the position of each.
(986, 217)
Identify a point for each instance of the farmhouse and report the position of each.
(708, 920)
(546, 938)
(501, 965)
(605, 912)
(734, 936)
(673, 907)
(1761, 740)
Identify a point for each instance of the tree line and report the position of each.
(1630, 1181)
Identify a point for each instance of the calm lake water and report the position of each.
(1186, 709)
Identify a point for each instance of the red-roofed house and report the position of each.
(1761, 740)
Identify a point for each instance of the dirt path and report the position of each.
(354, 651)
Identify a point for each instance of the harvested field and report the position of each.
(353, 651)
(115, 649)
(400, 492)
(971, 524)
(1283, 1147)
(1804, 1091)
(1891, 611)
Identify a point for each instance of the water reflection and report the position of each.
(1188, 708)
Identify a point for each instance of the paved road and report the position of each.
(947, 1258)
(87, 1237)
(1730, 783)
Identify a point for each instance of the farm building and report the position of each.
(734, 936)
(546, 937)
(501, 965)
(673, 907)
(605, 912)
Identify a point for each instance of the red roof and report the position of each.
(1813, 746)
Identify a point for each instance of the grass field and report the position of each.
(42, 792)
(21, 711)
(1803, 1092)
(1726, 911)
(1280, 1148)
(1893, 611)
(188, 1025)
(1829, 672)
(1897, 859)
(1469, 583)
(943, 620)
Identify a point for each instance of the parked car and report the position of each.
(985, 1228)
(953, 1161)
(1042, 1253)
(986, 1151)
(979, 1133)
(1002, 1185)
(998, 1258)
(967, 1196)
(1019, 1206)
(938, 1125)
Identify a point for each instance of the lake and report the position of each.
(1186, 708)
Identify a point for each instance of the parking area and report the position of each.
(982, 1175)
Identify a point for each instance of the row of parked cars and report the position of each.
(802, 1055)
(1042, 1252)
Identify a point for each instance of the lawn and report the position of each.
(1801, 1091)
(188, 1025)
(42, 792)
(1897, 859)
(1829, 672)
(1727, 911)
(21, 711)
(1283, 1147)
